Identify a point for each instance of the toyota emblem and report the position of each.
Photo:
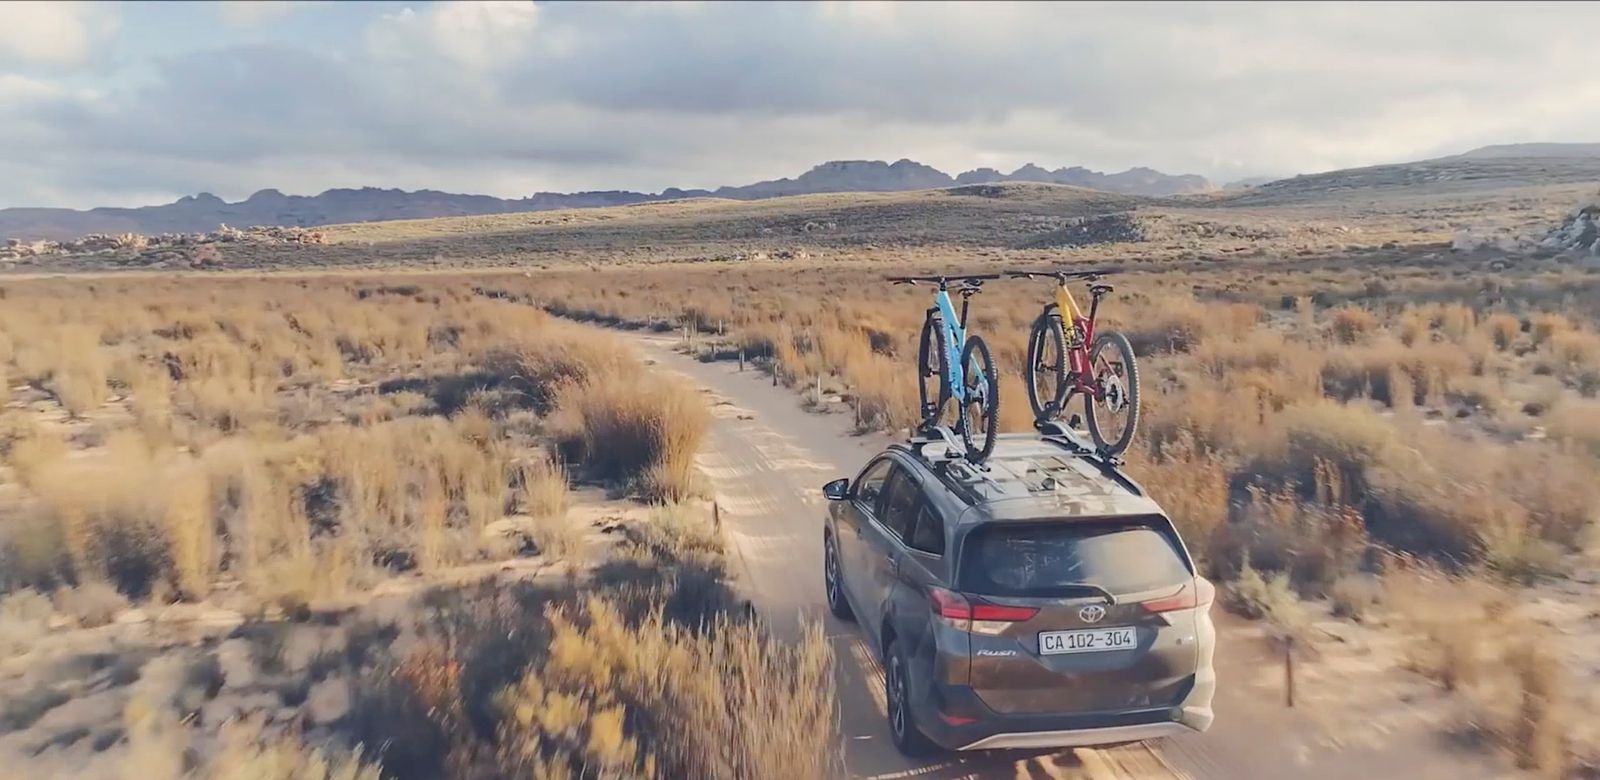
(1092, 613)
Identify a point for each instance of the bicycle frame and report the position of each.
(1080, 371)
(955, 340)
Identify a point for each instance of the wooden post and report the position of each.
(819, 389)
(1288, 671)
(741, 360)
(716, 515)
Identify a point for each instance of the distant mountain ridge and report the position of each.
(1501, 151)
(203, 212)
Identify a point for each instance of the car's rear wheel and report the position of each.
(908, 739)
(832, 582)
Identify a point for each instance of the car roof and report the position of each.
(1030, 477)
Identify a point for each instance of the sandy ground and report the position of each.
(1359, 714)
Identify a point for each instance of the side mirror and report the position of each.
(837, 490)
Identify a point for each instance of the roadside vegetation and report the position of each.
(325, 467)
(1306, 430)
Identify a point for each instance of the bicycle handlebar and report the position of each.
(1063, 274)
(942, 278)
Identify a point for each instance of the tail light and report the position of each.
(1196, 596)
(980, 618)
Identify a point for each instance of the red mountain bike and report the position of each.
(1067, 357)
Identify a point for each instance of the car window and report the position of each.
(928, 535)
(870, 484)
(900, 501)
(1048, 559)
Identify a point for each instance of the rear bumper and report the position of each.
(1078, 738)
(985, 729)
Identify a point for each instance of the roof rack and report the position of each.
(1057, 433)
(939, 445)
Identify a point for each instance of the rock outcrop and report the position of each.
(1579, 233)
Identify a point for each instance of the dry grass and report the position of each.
(1472, 639)
(636, 676)
(653, 700)
(304, 440)
(542, 487)
(644, 435)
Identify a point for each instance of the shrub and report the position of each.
(1503, 330)
(655, 700)
(1354, 596)
(1455, 644)
(542, 488)
(1277, 533)
(1351, 325)
(644, 434)
(1176, 326)
(1546, 326)
(1540, 735)
(1192, 486)
(1269, 598)
(1327, 449)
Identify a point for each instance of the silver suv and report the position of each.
(1040, 600)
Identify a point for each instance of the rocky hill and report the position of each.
(1134, 181)
(204, 212)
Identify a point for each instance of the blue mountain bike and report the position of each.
(971, 380)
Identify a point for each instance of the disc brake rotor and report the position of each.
(1112, 393)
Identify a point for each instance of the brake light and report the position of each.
(956, 610)
(997, 612)
(1196, 596)
(950, 604)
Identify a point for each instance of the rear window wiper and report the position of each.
(1109, 596)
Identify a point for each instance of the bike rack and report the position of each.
(1054, 430)
(938, 434)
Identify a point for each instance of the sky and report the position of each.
(125, 104)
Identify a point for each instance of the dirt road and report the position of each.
(768, 458)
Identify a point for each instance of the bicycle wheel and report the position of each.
(1047, 367)
(1114, 407)
(933, 366)
(980, 410)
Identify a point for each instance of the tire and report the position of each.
(1046, 339)
(1095, 407)
(833, 582)
(932, 389)
(908, 739)
(979, 421)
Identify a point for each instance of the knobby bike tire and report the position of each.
(1130, 381)
(979, 450)
(932, 400)
(1047, 332)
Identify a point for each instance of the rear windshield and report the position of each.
(1049, 559)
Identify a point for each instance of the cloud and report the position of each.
(478, 35)
(36, 32)
(510, 98)
(249, 13)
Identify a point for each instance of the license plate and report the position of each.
(1094, 640)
